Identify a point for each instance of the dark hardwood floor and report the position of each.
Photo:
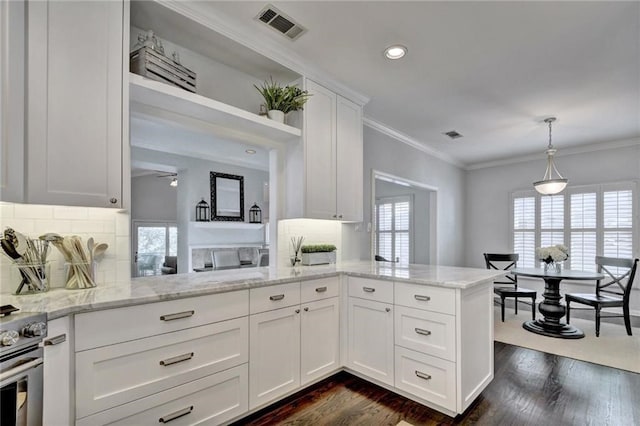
(529, 388)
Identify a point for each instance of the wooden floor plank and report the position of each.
(529, 388)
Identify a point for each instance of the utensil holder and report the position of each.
(34, 277)
(80, 275)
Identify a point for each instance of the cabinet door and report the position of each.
(274, 354)
(58, 353)
(349, 160)
(74, 103)
(320, 152)
(320, 336)
(371, 339)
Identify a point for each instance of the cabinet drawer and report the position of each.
(101, 328)
(432, 379)
(213, 399)
(274, 297)
(365, 288)
(423, 331)
(319, 289)
(427, 297)
(113, 375)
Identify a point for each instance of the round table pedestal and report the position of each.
(552, 311)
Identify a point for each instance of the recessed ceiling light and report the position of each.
(396, 51)
(250, 151)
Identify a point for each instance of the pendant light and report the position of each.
(550, 183)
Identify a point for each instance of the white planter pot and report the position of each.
(276, 115)
(318, 258)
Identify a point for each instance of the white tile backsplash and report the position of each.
(314, 232)
(104, 225)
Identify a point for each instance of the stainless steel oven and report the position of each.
(21, 365)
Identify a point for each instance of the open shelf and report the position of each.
(162, 102)
(227, 225)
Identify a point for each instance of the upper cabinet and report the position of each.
(330, 160)
(74, 112)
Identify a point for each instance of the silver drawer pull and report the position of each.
(277, 297)
(179, 315)
(55, 340)
(175, 415)
(422, 298)
(369, 289)
(423, 375)
(176, 359)
(422, 331)
(321, 289)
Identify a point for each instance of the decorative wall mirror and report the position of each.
(227, 197)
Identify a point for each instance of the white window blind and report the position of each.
(583, 217)
(393, 230)
(524, 226)
(591, 220)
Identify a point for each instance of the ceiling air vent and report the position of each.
(453, 134)
(280, 22)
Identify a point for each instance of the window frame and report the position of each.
(394, 199)
(599, 190)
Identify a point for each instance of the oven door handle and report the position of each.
(20, 369)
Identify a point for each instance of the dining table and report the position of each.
(551, 309)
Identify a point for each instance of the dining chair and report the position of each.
(225, 259)
(509, 286)
(611, 292)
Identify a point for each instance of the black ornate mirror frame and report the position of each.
(214, 204)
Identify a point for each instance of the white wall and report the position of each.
(488, 190)
(153, 199)
(385, 154)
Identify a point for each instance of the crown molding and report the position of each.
(408, 140)
(243, 35)
(601, 146)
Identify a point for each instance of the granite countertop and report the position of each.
(61, 302)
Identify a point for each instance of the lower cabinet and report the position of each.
(320, 339)
(58, 373)
(370, 335)
(211, 400)
(274, 353)
(427, 377)
(292, 346)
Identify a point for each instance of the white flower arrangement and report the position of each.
(557, 253)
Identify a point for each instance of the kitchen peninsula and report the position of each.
(219, 345)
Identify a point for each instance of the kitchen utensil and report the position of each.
(9, 249)
(98, 251)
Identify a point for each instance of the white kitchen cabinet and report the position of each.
(210, 400)
(320, 339)
(75, 103)
(58, 373)
(274, 354)
(330, 159)
(349, 160)
(370, 336)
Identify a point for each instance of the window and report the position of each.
(393, 219)
(590, 220)
(153, 241)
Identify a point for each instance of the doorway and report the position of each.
(404, 217)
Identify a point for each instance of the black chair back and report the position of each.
(506, 261)
(616, 282)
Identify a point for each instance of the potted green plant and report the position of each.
(318, 254)
(281, 100)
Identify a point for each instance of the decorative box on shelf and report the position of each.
(151, 64)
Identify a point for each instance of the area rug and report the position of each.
(614, 348)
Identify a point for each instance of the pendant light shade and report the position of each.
(552, 182)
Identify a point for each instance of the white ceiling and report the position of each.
(490, 70)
